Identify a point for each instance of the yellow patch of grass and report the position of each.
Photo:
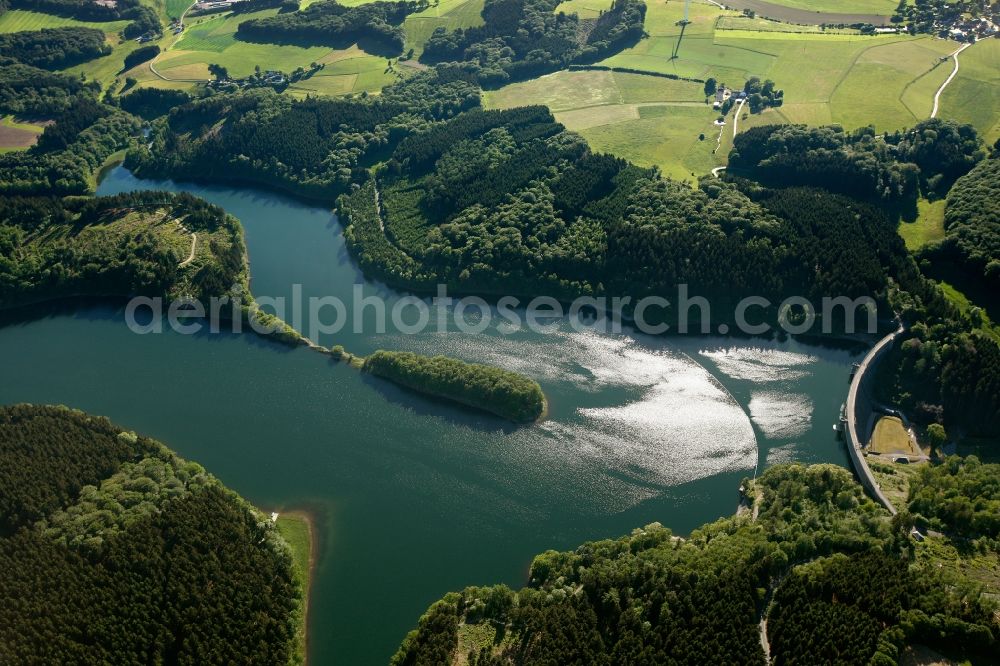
(585, 9)
(891, 437)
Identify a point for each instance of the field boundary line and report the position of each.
(847, 72)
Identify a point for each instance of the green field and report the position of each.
(449, 14)
(929, 225)
(585, 9)
(764, 25)
(297, 532)
(651, 120)
(175, 8)
(888, 69)
(17, 20)
(663, 136)
(828, 77)
(212, 39)
(973, 96)
(918, 95)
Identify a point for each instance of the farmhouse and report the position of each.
(722, 93)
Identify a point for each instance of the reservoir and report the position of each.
(414, 497)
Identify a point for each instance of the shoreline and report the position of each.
(307, 517)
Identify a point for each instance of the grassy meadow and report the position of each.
(973, 96)
(212, 40)
(17, 20)
(296, 529)
(833, 76)
(928, 227)
(651, 120)
(449, 14)
(728, 22)
(891, 437)
(585, 9)
(175, 8)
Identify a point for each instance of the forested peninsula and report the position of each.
(131, 554)
(123, 245)
(815, 573)
(510, 202)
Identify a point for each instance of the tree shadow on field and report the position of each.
(368, 44)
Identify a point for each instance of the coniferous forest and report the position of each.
(114, 550)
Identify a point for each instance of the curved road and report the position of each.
(937, 95)
(177, 38)
(736, 116)
(194, 246)
(854, 448)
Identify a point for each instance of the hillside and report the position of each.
(814, 573)
(152, 243)
(132, 554)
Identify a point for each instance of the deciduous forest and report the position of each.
(837, 581)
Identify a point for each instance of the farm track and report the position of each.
(194, 247)
(954, 72)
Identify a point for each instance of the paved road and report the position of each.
(736, 116)
(177, 38)
(937, 95)
(854, 448)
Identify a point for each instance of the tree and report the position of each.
(936, 436)
(710, 86)
(218, 71)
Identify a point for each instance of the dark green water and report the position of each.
(414, 497)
